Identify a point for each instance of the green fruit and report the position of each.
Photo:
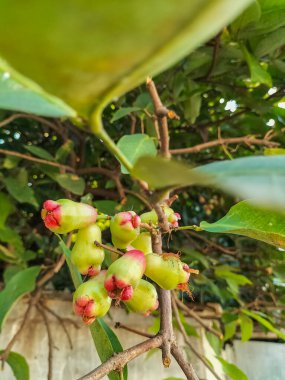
(124, 228)
(91, 299)
(144, 300)
(143, 243)
(166, 270)
(64, 215)
(85, 255)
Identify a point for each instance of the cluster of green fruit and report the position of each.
(123, 280)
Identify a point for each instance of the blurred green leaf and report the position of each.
(6, 207)
(20, 191)
(257, 72)
(214, 342)
(19, 285)
(274, 151)
(39, 152)
(264, 323)
(245, 219)
(18, 93)
(123, 111)
(119, 46)
(232, 370)
(230, 330)
(18, 365)
(64, 151)
(136, 146)
(246, 326)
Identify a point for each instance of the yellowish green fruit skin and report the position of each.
(85, 253)
(151, 216)
(122, 233)
(144, 300)
(143, 243)
(166, 270)
(94, 290)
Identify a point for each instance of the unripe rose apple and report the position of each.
(85, 255)
(171, 216)
(124, 275)
(124, 228)
(144, 300)
(91, 299)
(167, 270)
(143, 243)
(64, 215)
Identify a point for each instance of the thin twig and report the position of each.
(34, 299)
(215, 55)
(38, 160)
(61, 321)
(118, 361)
(55, 269)
(193, 315)
(108, 247)
(119, 325)
(50, 343)
(188, 342)
(247, 140)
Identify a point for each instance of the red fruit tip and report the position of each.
(118, 289)
(51, 214)
(130, 217)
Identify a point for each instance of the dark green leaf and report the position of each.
(18, 365)
(107, 344)
(232, 370)
(39, 152)
(9, 272)
(121, 112)
(106, 207)
(6, 207)
(194, 255)
(20, 191)
(257, 72)
(64, 151)
(226, 274)
(20, 284)
(264, 323)
(246, 326)
(136, 146)
(71, 182)
(245, 219)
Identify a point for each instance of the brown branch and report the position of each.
(118, 361)
(247, 140)
(183, 363)
(50, 347)
(193, 315)
(188, 342)
(222, 120)
(161, 113)
(119, 325)
(215, 55)
(38, 160)
(55, 269)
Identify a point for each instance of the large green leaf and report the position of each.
(17, 93)
(23, 282)
(18, 365)
(259, 177)
(20, 191)
(89, 52)
(245, 219)
(107, 344)
(135, 146)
